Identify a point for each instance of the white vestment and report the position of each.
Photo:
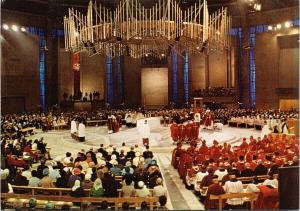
(81, 130)
(197, 117)
(145, 131)
(285, 129)
(73, 127)
(265, 131)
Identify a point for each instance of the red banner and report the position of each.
(76, 62)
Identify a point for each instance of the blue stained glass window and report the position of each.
(186, 77)
(296, 22)
(42, 43)
(57, 33)
(109, 80)
(174, 76)
(120, 78)
(252, 66)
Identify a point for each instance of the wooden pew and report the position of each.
(94, 122)
(60, 126)
(152, 201)
(220, 198)
(232, 123)
(120, 192)
(28, 130)
(54, 191)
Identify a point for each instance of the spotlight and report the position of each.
(287, 24)
(278, 26)
(5, 26)
(257, 7)
(76, 34)
(146, 55)
(218, 33)
(162, 54)
(270, 28)
(14, 28)
(23, 29)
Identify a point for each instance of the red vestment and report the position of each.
(213, 189)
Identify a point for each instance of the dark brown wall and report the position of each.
(275, 71)
(19, 70)
(132, 82)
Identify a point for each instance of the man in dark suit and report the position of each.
(131, 154)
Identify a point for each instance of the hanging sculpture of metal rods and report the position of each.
(136, 31)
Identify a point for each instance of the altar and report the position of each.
(153, 122)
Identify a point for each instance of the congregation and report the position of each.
(109, 171)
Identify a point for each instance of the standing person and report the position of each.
(146, 133)
(73, 126)
(81, 131)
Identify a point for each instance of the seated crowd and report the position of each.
(214, 92)
(220, 169)
(105, 172)
(12, 125)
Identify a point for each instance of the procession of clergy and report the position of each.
(184, 126)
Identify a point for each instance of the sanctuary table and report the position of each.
(153, 122)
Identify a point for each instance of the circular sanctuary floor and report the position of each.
(60, 141)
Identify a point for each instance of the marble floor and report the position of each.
(180, 198)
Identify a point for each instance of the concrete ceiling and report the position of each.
(60, 7)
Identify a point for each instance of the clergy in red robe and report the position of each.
(203, 149)
(244, 144)
(213, 189)
(176, 155)
(189, 131)
(174, 131)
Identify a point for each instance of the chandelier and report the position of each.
(136, 31)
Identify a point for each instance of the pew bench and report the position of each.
(27, 131)
(116, 202)
(60, 126)
(220, 198)
(52, 191)
(95, 122)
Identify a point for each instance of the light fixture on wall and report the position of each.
(15, 28)
(270, 27)
(279, 26)
(5, 26)
(287, 24)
